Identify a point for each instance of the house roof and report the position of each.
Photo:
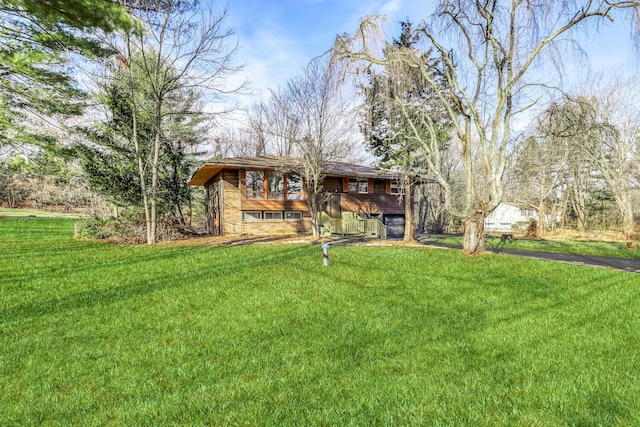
(212, 167)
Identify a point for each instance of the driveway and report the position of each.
(626, 264)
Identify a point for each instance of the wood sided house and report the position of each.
(265, 196)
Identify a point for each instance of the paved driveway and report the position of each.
(625, 264)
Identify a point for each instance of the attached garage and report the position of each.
(395, 226)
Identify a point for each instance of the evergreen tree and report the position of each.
(37, 38)
(110, 159)
(403, 117)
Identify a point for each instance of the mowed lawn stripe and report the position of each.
(94, 333)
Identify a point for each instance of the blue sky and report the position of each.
(278, 38)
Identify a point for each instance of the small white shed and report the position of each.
(506, 217)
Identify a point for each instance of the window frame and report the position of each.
(288, 193)
(266, 184)
(281, 180)
(357, 182)
(298, 213)
(398, 188)
(250, 193)
(265, 213)
(246, 216)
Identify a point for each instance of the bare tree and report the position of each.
(541, 162)
(272, 125)
(489, 51)
(185, 46)
(313, 124)
(617, 151)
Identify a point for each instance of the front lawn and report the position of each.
(96, 334)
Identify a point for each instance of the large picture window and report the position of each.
(294, 187)
(255, 185)
(278, 186)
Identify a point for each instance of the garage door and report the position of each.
(395, 226)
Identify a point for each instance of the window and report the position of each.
(279, 186)
(251, 216)
(396, 188)
(273, 215)
(276, 185)
(292, 215)
(294, 187)
(255, 184)
(358, 185)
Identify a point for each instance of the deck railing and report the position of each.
(371, 227)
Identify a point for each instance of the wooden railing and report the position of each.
(372, 227)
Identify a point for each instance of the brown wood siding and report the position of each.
(231, 176)
(380, 186)
(333, 184)
(212, 181)
(274, 205)
(371, 203)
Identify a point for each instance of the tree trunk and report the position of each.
(314, 210)
(626, 210)
(542, 216)
(154, 183)
(474, 237)
(408, 214)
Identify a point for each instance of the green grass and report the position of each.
(579, 247)
(95, 334)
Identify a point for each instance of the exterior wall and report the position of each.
(375, 202)
(371, 203)
(332, 184)
(235, 201)
(213, 206)
(232, 216)
(277, 227)
(504, 218)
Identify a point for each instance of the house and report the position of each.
(507, 217)
(265, 195)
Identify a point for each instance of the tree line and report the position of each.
(469, 98)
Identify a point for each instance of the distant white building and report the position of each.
(508, 217)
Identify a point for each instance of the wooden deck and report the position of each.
(356, 226)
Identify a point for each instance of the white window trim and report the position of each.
(398, 188)
(358, 181)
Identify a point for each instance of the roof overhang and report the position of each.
(212, 168)
(204, 174)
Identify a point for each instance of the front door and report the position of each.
(333, 207)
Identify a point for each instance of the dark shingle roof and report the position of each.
(210, 168)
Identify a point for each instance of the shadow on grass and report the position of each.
(137, 288)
